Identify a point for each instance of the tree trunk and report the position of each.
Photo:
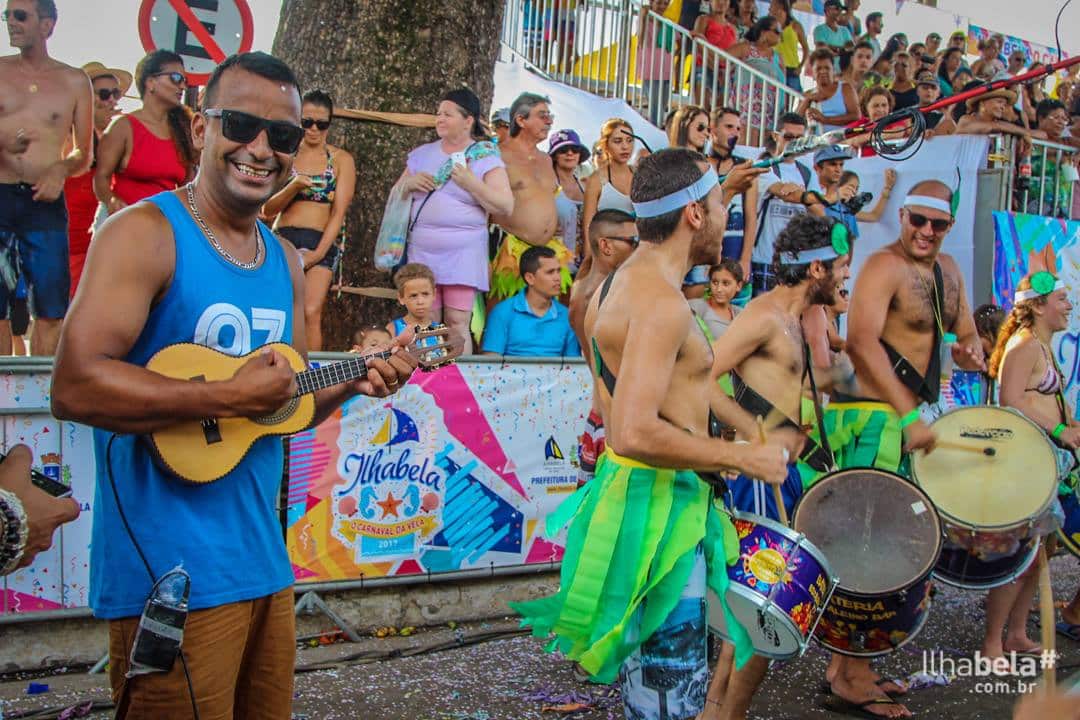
(387, 55)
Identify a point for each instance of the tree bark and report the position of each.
(393, 56)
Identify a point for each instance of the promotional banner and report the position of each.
(1032, 51)
(1027, 241)
(59, 577)
(458, 470)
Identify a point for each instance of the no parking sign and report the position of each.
(202, 32)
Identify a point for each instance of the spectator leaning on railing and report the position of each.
(655, 45)
(532, 323)
(758, 50)
(832, 103)
(1050, 181)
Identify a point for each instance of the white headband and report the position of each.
(930, 202)
(680, 198)
(1032, 293)
(806, 256)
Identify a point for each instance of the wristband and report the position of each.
(910, 419)
(16, 531)
(1056, 433)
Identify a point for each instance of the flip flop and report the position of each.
(837, 704)
(826, 687)
(1068, 630)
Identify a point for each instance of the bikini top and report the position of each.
(323, 184)
(1050, 382)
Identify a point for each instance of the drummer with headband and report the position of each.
(767, 356)
(644, 539)
(909, 317)
(1029, 380)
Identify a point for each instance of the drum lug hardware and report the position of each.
(858, 639)
(902, 596)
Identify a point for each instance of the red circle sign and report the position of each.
(202, 32)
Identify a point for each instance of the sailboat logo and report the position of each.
(552, 451)
(398, 427)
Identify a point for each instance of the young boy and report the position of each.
(715, 312)
(415, 285)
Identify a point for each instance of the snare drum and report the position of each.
(882, 536)
(994, 503)
(779, 587)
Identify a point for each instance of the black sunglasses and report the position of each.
(937, 224)
(634, 240)
(283, 137)
(105, 93)
(176, 78)
(16, 15)
(701, 127)
(306, 123)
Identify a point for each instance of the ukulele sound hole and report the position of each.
(283, 413)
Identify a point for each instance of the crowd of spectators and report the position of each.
(473, 190)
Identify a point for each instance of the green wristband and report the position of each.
(1058, 430)
(910, 419)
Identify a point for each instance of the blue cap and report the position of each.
(832, 152)
(567, 139)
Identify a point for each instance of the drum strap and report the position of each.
(819, 416)
(925, 387)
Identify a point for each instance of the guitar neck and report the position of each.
(316, 379)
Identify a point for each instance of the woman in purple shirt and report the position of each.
(455, 182)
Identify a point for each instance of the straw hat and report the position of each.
(96, 70)
(1009, 95)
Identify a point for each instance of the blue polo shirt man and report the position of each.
(532, 323)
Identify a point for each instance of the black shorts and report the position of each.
(308, 239)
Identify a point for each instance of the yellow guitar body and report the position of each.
(201, 452)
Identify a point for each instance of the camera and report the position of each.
(856, 203)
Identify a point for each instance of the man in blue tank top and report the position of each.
(194, 265)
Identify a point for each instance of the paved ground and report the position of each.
(507, 677)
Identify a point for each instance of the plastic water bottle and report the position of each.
(1023, 174)
(161, 626)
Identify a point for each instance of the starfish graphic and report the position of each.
(389, 505)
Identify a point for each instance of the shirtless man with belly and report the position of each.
(43, 104)
(534, 220)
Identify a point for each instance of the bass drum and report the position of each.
(882, 537)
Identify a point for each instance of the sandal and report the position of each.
(837, 704)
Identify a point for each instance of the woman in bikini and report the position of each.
(310, 210)
(1029, 380)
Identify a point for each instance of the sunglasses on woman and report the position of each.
(176, 78)
(306, 123)
(240, 127)
(936, 224)
(105, 94)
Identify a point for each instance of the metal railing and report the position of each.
(1049, 191)
(617, 48)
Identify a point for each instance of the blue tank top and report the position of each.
(226, 534)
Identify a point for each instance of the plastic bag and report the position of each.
(390, 244)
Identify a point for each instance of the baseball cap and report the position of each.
(501, 116)
(567, 139)
(958, 33)
(926, 77)
(831, 152)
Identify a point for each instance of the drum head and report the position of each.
(1013, 484)
(879, 532)
(771, 632)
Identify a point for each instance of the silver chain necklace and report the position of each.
(214, 241)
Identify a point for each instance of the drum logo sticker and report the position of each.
(768, 566)
(992, 434)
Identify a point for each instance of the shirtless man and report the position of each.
(532, 179)
(894, 322)
(613, 237)
(658, 419)
(764, 351)
(43, 104)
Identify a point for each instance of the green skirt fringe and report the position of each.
(633, 534)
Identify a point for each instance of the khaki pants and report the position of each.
(240, 657)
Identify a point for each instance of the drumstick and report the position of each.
(777, 495)
(1046, 622)
(988, 451)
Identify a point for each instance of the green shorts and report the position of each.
(634, 533)
(866, 433)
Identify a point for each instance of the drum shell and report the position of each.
(872, 625)
(790, 608)
(960, 568)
